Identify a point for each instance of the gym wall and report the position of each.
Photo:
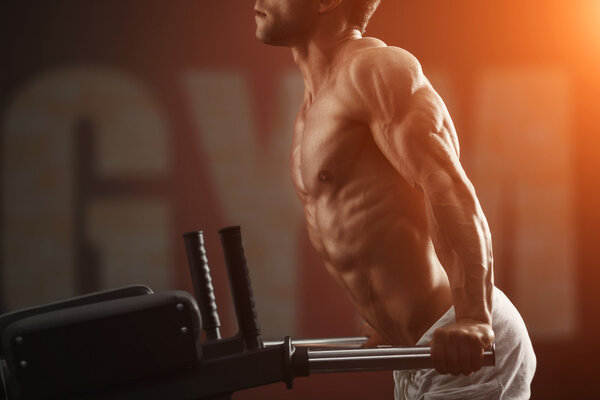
(125, 124)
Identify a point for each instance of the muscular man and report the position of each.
(375, 162)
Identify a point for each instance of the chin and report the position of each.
(269, 39)
(261, 37)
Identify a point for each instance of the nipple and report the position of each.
(325, 176)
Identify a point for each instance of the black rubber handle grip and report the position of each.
(241, 288)
(205, 295)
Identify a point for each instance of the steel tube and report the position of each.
(344, 354)
(339, 342)
(377, 359)
(368, 352)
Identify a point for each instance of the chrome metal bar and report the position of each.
(339, 342)
(396, 358)
(369, 352)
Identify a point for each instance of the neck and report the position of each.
(316, 55)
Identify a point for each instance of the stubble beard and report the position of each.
(281, 33)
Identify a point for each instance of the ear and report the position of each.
(328, 5)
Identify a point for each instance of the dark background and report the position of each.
(156, 41)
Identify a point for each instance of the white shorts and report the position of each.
(510, 379)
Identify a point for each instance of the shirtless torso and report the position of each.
(367, 222)
(375, 162)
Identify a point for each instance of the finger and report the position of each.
(437, 354)
(452, 362)
(476, 354)
(464, 357)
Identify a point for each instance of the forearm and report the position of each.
(463, 245)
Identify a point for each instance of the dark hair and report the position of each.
(360, 12)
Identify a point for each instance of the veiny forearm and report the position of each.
(463, 244)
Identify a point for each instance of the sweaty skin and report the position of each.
(375, 163)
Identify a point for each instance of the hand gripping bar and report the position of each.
(344, 354)
(378, 359)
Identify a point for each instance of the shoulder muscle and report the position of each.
(381, 80)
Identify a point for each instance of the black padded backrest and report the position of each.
(91, 347)
(126, 291)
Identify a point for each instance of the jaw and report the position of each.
(283, 29)
(272, 39)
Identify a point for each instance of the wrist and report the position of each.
(475, 307)
(473, 314)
